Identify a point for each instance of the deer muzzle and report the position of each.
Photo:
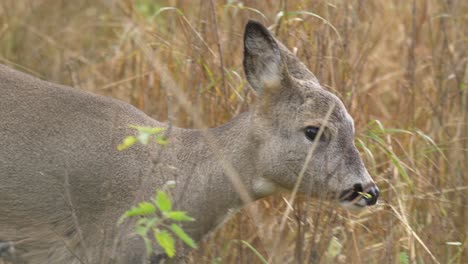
(360, 196)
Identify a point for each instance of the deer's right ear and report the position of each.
(262, 57)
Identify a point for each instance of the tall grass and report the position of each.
(399, 66)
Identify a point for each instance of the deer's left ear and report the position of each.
(262, 57)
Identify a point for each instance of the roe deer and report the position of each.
(64, 185)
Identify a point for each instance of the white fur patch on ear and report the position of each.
(271, 77)
(262, 57)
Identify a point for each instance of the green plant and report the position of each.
(144, 136)
(156, 217)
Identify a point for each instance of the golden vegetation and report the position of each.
(399, 66)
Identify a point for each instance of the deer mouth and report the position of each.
(357, 197)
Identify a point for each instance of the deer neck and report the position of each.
(198, 160)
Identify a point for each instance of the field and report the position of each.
(400, 67)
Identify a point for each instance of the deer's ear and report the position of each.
(262, 57)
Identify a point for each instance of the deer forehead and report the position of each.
(315, 111)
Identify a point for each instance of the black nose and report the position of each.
(373, 192)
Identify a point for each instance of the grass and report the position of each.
(400, 67)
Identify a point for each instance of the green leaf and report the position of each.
(148, 245)
(145, 133)
(162, 140)
(144, 224)
(365, 195)
(403, 258)
(163, 202)
(143, 208)
(183, 236)
(143, 221)
(166, 241)
(178, 216)
(143, 138)
(335, 247)
(127, 142)
(141, 230)
(148, 130)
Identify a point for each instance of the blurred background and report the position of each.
(399, 66)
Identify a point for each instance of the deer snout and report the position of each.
(360, 196)
(374, 192)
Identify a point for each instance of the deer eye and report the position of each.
(311, 132)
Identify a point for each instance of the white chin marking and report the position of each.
(356, 206)
(362, 202)
(264, 187)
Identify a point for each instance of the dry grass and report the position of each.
(399, 66)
